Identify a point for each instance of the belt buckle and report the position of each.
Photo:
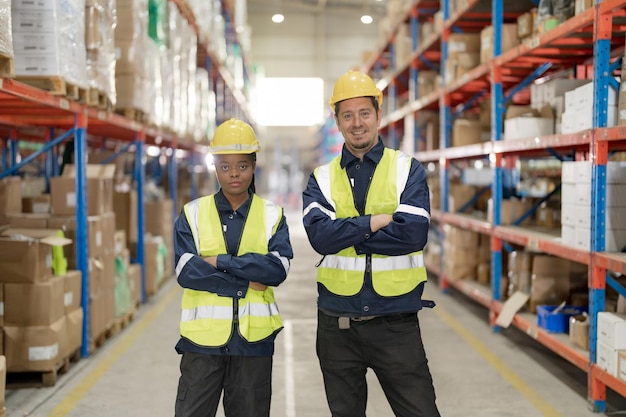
(363, 318)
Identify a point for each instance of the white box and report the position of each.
(568, 214)
(580, 172)
(40, 64)
(30, 5)
(614, 239)
(606, 358)
(33, 21)
(35, 43)
(527, 127)
(568, 194)
(583, 193)
(612, 329)
(586, 96)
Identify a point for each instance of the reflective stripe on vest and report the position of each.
(343, 273)
(207, 318)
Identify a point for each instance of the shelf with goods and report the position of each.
(591, 43)
(100, 133)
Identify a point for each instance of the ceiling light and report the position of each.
(366, 19)
(278, 18)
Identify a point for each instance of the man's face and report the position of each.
(358, 122)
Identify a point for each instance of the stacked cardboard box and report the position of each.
(576, 205)
(509, 41)
(463, 55)
(42, 320)
(578, 114)
(101, 226)
(611, 343)
(460, 253)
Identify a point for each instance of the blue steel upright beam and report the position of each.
(444, 129)
(139, 185)
(82, 239)
(497, 110)
(601, 63)
(50, 158)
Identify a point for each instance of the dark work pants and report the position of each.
(245, 380)
(392, 347)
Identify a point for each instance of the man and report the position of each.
(367, 212)
(230, 249)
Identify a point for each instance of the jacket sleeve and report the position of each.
(270, 268)
(195, 273)
(408, 232)
(326, 233)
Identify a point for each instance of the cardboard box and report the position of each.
(3, 375)
(37, 304)
(612, 329)
(28, 220)
(463, 42)
(73, 284)
(579, 331)
(39, 204)
(1, 305)
(99, 190)
(528, 127)
(510, 211)
(74, 330)
(134, 282)
(95, 231)
(525, 25)
(466, 132)
(26, 254)
(35, 348)
(10, 195)
(509, 41)
(460, 237)
(125, 208)
(607, 358)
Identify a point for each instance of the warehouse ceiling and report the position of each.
(347, 7)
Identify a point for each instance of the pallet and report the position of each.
(135, 115)
(123, 321)
(17, 380)
(57, 86)
(7, 68)
(98, 99)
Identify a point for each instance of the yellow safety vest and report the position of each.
(343, 273)
(207, 318)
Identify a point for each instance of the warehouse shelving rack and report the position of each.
(592, 39)
(31, 114)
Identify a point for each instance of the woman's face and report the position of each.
(234, 173)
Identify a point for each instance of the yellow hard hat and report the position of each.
(354, 84)
(234, 137)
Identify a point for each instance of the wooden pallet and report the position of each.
(56, 86)
(17, 380)
(98, 99)
(135, 115)
(123, 321)
(7, 68)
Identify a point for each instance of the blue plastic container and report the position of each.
(557, 322)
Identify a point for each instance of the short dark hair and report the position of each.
(374, 103)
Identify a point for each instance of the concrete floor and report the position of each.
(476, 372)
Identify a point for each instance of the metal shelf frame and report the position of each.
(30, 114)
(594, 40)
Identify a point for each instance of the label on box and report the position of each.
(98, 238)
(68, 298)
(49, 261)
(1, 308)
(43, 353)
(70, 199)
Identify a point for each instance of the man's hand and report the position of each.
(257, 286)
(378, 221)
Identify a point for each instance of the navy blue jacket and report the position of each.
(233, 273)
(405, 234)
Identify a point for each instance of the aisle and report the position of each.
(477, 373)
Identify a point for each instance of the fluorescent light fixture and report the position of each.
(290, 101)
(278, 18)
(153, 151)
(366, 19)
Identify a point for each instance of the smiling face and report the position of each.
(358, 121)
(234, 173)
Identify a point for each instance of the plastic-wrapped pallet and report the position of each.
(6, 40)
(200, 133)
(100, 24)
(49, 40)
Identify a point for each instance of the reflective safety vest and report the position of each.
(343, 273)
(207, 318)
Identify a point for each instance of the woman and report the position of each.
(231, 248)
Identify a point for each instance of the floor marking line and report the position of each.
(499, 365)
(290, 397)
(126, 340)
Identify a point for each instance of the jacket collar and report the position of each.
(375, 154)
